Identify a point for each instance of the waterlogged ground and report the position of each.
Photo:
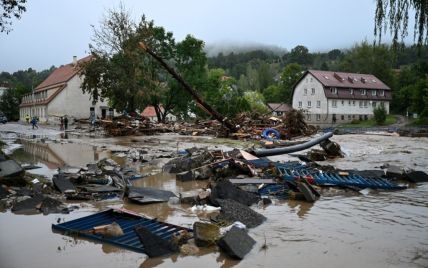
(374, 229)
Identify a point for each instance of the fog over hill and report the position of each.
(213, 49)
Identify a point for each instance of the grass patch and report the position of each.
(390, 119)
(422, 121)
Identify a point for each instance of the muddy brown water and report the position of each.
(374, 229)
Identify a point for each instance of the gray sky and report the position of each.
(52, 32)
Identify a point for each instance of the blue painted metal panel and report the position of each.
(278, 190)
(291, 172)
(127, 221)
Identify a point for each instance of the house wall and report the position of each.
(301, 99)
(330, 111)
(71, 101)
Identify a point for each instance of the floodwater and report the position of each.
(374, 229)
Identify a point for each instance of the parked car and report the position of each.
(3, 119)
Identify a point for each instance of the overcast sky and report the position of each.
(52, 32)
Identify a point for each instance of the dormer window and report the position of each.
(333, 90)
(374, 92)
(382, 93)
(363, 92)
(351, 91)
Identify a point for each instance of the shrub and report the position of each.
(379, 114)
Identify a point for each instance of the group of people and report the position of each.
(63, 123)
(35, 120)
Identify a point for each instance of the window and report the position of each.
(349, 102)
(374, 92)
(318, 104)
(353, 103)
(313, 91)
(309, 104)
(333, 90)
(318, 117)
(334, 103)
(382, 93)
(311, 79)
(343, 103)
(349, 117)
(363, 92)
(308, 117)
(365, 104)
(342, 117)
(305, 91)
(361, 104)
(351, 91)
(300, 104)
(374, 104)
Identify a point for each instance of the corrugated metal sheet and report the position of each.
(127, 221)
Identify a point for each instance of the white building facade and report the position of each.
(329, 98)
(60, 94)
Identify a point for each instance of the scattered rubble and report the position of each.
(237, 182)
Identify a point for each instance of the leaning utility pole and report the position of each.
(192, 92)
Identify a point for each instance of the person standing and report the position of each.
(61, 123)
(34, 122)
(27, 118)
(65, 123)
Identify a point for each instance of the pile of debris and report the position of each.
(250, 126)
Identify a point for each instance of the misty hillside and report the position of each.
(226, 48)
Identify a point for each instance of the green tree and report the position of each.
(272, 94)
(420, 97)
(10, 9)
(9, 103)
(289, 76)
(121, 71)
(300, 55)
(223, 94)
(368, 59)
(191, 62)
(379, 114)
(255, 102)
(396, 14)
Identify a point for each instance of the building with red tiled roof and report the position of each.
(279, 109)
(61, 94)
(150, 113)
(329, 97)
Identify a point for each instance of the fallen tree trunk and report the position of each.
(192, 92)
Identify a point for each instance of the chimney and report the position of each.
(74, 60)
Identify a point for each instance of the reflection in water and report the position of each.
(64, 135)
(301, 207)
(60, 154)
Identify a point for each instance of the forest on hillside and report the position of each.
(270, 74)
